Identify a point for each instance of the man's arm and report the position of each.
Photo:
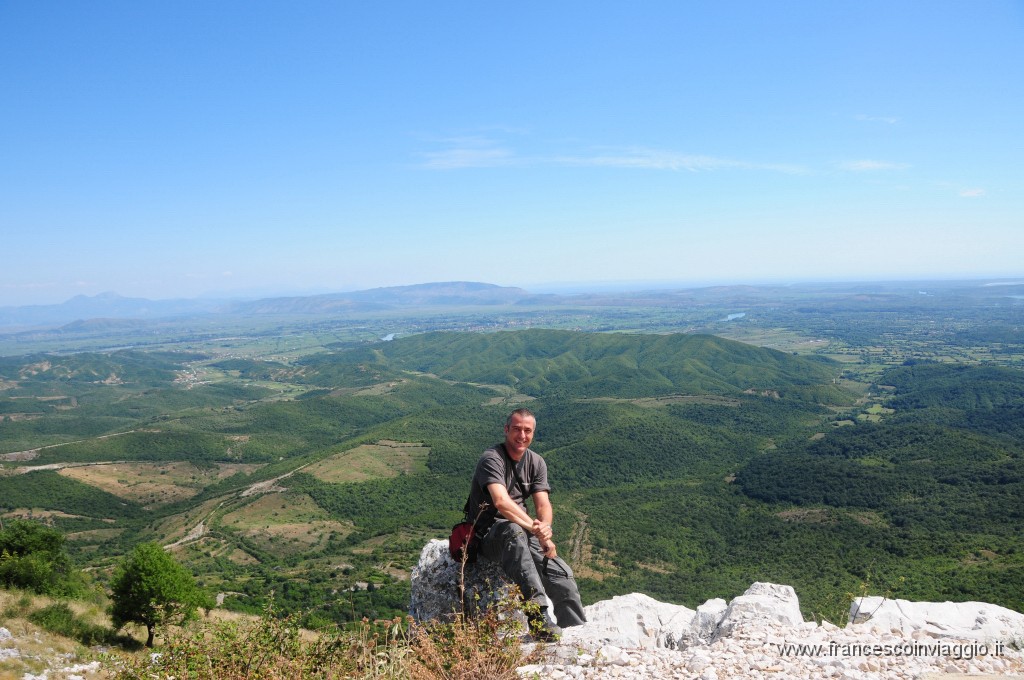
(511, 511)
(545, 515)
(508, 508)
(543, 503)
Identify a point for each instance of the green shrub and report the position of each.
(60, 619)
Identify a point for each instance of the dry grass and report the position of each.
(153, 484)
(39, 651)
(268, 648)
(230, 646)
(382, 460)
(284, 523)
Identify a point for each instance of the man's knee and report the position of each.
(558, 569)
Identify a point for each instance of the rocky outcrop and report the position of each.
(758, 634)
(986, 623)
(761, 634)
(634, 620)
(761, 603)
(435, 584)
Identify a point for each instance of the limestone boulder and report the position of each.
(706, 620)
(762, 603)
(960, 620)
(631, 621)
(435, 584)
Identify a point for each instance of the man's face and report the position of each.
(518, 435)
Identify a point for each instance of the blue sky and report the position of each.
(250, 148)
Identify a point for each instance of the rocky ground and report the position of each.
(27, 656)
(776, 651)
(760, 634)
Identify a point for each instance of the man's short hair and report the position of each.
(522, 413)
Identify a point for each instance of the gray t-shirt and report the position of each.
(495, 467)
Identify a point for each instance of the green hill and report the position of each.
(569, 364)
(683, 466)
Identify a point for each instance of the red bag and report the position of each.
(462, 538)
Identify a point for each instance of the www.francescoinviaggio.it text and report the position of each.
(948, 650)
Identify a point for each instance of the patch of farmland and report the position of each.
(284, 523)
(272, 509)
(152, 484)
(382, 460)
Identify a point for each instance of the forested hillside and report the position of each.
(683, 466)
(566, 364)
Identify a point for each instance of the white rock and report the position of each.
(635, 621)
(762, 603)
(706, 619)
(610, 654)
(435, 583)
(640, 617)
(698, 663)
(530, 670)
(963, 620)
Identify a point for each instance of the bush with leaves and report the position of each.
(33, 557)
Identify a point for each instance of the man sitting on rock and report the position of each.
(505, 476)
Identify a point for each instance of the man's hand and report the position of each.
(548, 546)
(541, 530)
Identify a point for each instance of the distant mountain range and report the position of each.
(450, 294)
(112, 309)
(102, 306)
(111, 306)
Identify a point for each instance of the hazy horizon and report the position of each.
(562, 288)
(239, 148)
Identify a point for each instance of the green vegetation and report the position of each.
(151, 589)
(60, 619)
(48, 490)
(33, 557)
(941, 482)
(273, 648)
(684, 466)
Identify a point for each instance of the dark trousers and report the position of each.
(521, 558)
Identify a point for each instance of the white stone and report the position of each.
(435, 584)
(697, 664)
(762, 603)
(531, 670)
(610, 654)
(706, 619)
(634, 621)
(963, 620)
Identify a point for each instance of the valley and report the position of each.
(830, 437)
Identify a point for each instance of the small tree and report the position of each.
(150, 588)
